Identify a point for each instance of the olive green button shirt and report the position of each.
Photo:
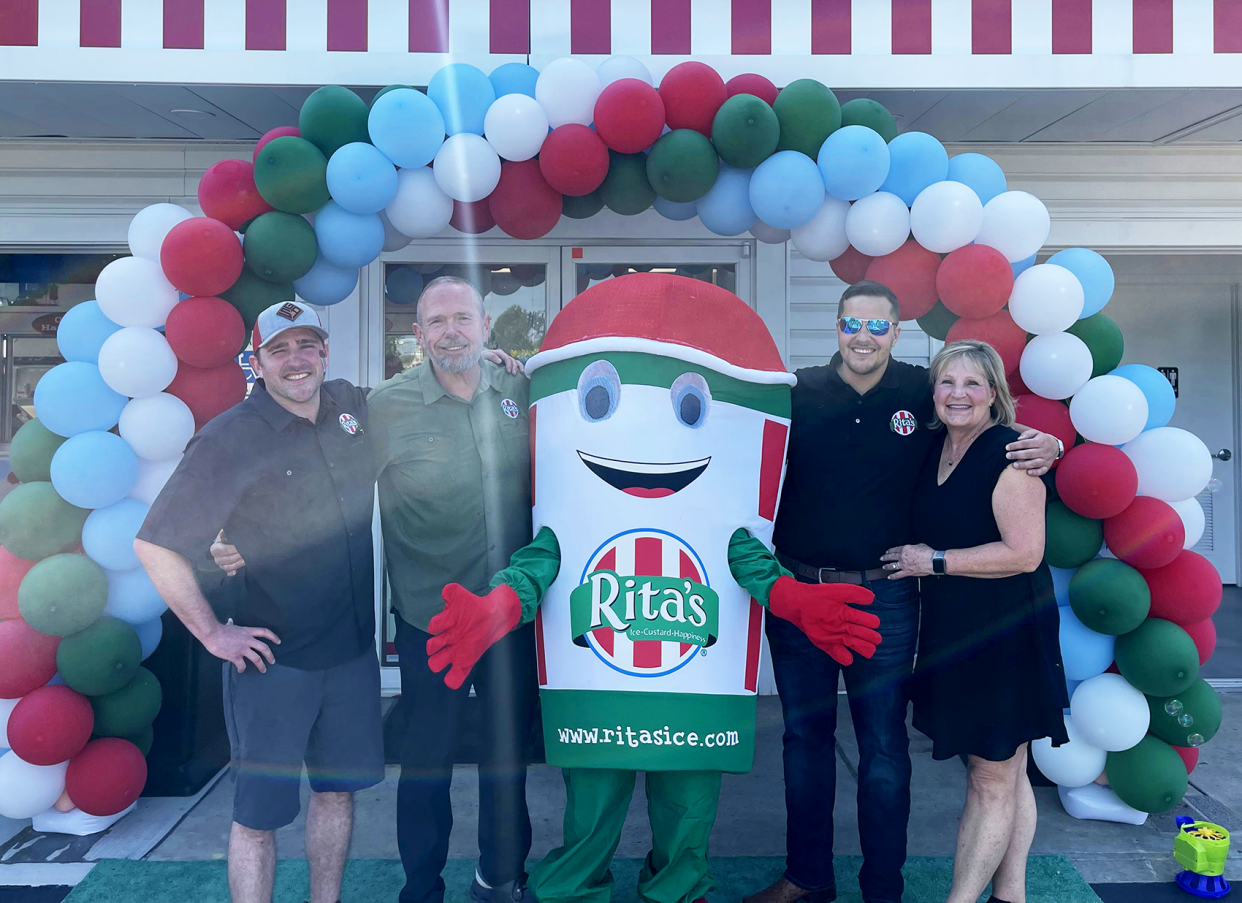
(455, 487)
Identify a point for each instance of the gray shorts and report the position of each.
(329, 720)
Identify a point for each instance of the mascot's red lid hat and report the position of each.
(672, 316)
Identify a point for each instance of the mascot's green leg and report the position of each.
(596, 802)
(681, 806)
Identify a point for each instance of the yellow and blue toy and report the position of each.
(1201, 847)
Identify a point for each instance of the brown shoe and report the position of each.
(785, 891)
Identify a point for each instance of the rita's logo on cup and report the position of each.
(903, 423)
(349, 424)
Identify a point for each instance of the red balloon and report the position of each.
(629, 115)
(999, 331)
(1047, 416)
(50, 725)
(227, 193)
(910, 272)
(208, 391)
(29, 658)
(12, 570)
(975, 281)
(1186, 591)
(205, 332)
(278, 132)
(1017, 386)
(523, 204)
(750, 83)
(1096, 481)
(574, 159)
(201, 256)
(1148, 534)
(1190, 756)
(106, 776)
(851, 266)
(471, 217)
(692, 93)
(1204, 634)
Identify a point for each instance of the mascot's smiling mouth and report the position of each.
(647, 481)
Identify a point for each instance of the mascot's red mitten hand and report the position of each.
(467, 627)
(825, 613)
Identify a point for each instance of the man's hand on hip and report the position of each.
(1034, 452)
(242, 644)
(467, 627)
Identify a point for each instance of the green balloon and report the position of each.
(100, 659)
(1151, 776)
(30, 454)
(280, 247)
(682, 165)
(626, 189)
(292, 174)
(380, 93)
(1191, 718)
(808, 112)
(937, 321)
(1072, 540)
(872, 114)
(1158, 658)
(129, 710)
(331, 118)
(35, 522)
(143, 739)
(1109, 596)
(63, 594)
(252, 295)
(1103, 338)
(583, 207)
(745, 131)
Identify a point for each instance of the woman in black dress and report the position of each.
(988, 677)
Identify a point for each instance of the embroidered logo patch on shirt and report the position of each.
(349, 424)
(903, 423)
(509, 406)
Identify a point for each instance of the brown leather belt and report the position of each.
(831, 575)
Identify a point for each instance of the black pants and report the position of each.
(506, 685)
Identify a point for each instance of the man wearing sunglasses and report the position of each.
(857, 441)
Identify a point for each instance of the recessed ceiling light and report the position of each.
(192, 114)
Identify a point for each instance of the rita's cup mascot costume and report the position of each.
(659, 419)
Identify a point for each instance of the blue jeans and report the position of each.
(879, 692)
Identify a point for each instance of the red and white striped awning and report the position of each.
(846, 43)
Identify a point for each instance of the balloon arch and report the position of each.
(153, 358)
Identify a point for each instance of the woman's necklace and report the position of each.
(973, 436)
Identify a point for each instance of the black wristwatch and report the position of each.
(938, 564)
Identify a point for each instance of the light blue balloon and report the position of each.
(725, 209)
(675, 211)
(1084, 653)
(1023, 265)
(149, 635)
(916, 160)
(1093, 272)
(56, 681)
(1070, 687)
(82, 332)
(463, 94)
(108, 535)
(94, 469)
(73, 398)
(361, 179)
(1060, 584)
(514, 78)
(786, 190)
(132, 597)
(981, 173)
(407, 127)
(1156, 388)
(348, 239)
(326, 283)
(854, 162)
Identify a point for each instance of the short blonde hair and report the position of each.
(984, 357)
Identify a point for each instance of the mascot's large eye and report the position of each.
(691, 399)
(599, 391)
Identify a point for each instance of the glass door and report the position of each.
(724, 264)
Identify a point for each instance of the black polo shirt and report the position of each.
(853, 462)
(296, 499)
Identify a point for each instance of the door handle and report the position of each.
(1223, 455)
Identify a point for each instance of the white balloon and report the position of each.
(132, 596)
(618, 67)
(823, 236)
(152, 475)
(466, 168)
(6, 709)
(567, 90)
(1109, 409)
(1110, 714)
(1046, 298)
(137, 361)
(1172, 464)
(393, 240)
(1073, 764)
(151, 225)
(1095, 803)
(1016, 223)
(515, 126)
(946, 216)
(878, 224)
(420, 209)
(1056, 365)
(25, 789)
(769, 235)
(157, 427)
(132, 291)
(1193, 518)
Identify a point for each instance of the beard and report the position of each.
(459, 363)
